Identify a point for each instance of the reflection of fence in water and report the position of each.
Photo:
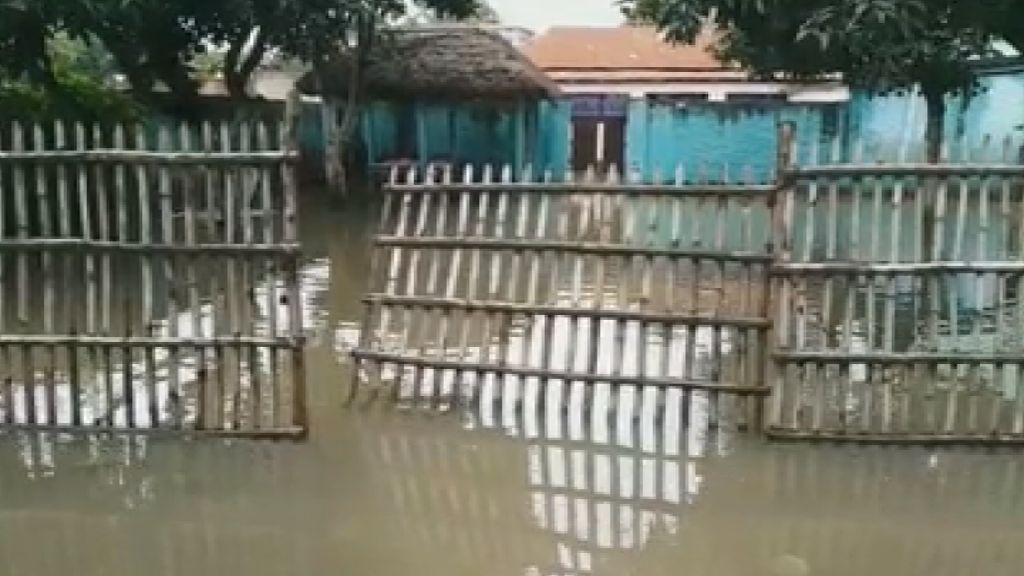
(106, 229)
(471, 499)
(114, 504)
(586, 497)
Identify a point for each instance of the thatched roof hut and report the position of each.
(443, 63)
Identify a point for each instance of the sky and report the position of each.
(541, 14)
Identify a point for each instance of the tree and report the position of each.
(316, 31)
(156, 41)
(878, 45)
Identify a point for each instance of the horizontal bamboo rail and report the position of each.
(101, 246)
(564, 376)
(882, 170)
(565, 311)
(594, 248)
(556, 189)
(141, 157)
(280, 433)
(149, 341)
(902, 439)
(902, 358)
(884, 269)
(895, 359)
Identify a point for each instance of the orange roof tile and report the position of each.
(619, 48)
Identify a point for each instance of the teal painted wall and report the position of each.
(476, 133)
(554, 148)
(702, 136)
(894, 125)
(715, 141)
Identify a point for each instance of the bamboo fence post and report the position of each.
(213, 372)
(103, 229)
(146, 206)
(6, 371)
(1018, 414)
(208, 372)
(489, 287)
(230, 217)
(463, 388)
(889, 337)
(290, 141)
(513, 390)
(717, 342)
(190, 225)
(45, 216)
(995, 388)
(781, 241)
(412, 318)
(395, 270)
(250, 276)
(440, 377)
(266, 201)
(21, 222)
(120, 190)
(67, 312)
(167, 237)
(810, 371)
(91, 272)
(875, 376)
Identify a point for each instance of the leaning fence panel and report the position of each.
(144, 279)
(581, 281)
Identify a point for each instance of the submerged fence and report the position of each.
(490, 283)
(899, 302)
(865, 301)
(148, 279)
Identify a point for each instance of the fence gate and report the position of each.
(900, 303)
(148, 279)
(496, 284)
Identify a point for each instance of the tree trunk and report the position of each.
(931, 291)
(332, 157)
(239, 67)
(349, 123)
(934, 132)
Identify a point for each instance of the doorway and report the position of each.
(598, 142)
(598, 132)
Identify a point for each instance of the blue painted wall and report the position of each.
(477, 133)
(714, 140)
(893, 125)
(702, 136)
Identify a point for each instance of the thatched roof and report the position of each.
(450, 63)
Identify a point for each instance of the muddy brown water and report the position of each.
(380, 491)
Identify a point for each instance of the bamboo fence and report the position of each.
(148, 279)
(855, 299)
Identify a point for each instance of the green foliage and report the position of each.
(69, 97)
(154, 42)
(879, 45)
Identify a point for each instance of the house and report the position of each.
(988, 126)
(636, 101)
(446, 94)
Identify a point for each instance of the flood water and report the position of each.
(383, 491)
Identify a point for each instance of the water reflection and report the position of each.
(546, 481)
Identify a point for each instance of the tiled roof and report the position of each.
(620, 48)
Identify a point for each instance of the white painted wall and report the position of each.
(719, 91)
